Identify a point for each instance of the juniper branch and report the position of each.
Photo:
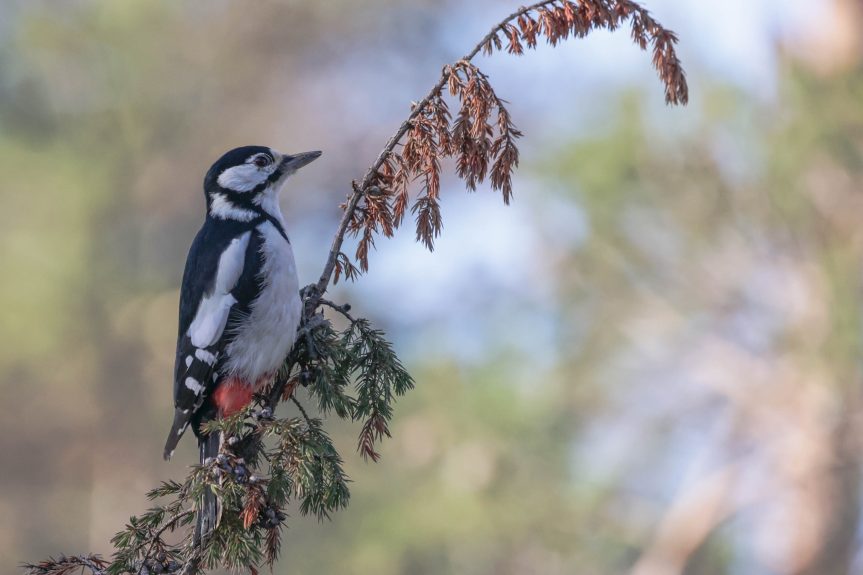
(305, 464)
(360, 189)
(302, 409)
(605, 13)
(430, 140)
(67, 565)
(157, 536)
(192, 563)
(343, 309)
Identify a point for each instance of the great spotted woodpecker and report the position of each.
(239, 302)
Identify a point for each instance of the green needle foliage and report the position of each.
(265, 462)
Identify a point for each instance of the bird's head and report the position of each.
(247, 180)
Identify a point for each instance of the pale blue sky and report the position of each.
(483, 241)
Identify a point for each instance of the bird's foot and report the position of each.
(307, 330)
(310, 290)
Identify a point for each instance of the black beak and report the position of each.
(297, 161)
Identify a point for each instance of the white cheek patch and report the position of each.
(244, 178)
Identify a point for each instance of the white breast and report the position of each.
(265, 337)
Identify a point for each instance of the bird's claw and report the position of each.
(306, 330)
(308, 292)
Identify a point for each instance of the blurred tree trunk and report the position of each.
(836, 555)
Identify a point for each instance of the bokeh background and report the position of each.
(649, 364)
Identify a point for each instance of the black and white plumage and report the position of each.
(239, 302)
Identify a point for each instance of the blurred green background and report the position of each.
(648, 364)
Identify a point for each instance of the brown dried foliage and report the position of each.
(273, 546)
(254, 502)
(346, 267)
(374, 430)
(290, 387)
(481, 138)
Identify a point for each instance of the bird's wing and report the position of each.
(205, 304)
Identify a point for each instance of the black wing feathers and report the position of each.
(193, 366)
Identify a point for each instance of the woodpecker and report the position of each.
(239, 302)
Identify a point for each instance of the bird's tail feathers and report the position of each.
(210, 511)
(181, 422)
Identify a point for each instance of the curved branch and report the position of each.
(360, 189)
(170, 524)
(382, 378)
(312, 294)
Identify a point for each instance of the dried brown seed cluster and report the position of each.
(481, 138)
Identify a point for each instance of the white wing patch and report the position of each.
(205, 356)
(212, 314)
(194, 385)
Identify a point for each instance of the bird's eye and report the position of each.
(263, 161)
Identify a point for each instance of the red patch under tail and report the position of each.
(232, 395)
